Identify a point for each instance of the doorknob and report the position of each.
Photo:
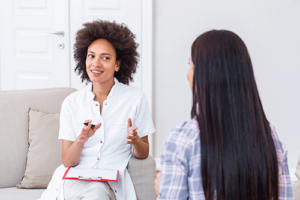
(59, 33)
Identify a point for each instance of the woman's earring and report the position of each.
(117, 70)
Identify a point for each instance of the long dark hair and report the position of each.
(238, 155)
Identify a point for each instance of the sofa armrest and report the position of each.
(142, 173)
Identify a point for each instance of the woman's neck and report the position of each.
(101, 90)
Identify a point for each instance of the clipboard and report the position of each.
(110, 175)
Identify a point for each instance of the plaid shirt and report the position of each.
(181, 165)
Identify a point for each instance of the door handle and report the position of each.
(59, 33)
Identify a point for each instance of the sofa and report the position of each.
(14, 143)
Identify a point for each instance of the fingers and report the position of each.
(94, 129)
(97, 126)
(131, 136)
(132, 131)
(87, 130)
(87, 124)
(130, 142)
(133, 139)
(129, 123)
(88, 121)
(83, 136)
(88, 127)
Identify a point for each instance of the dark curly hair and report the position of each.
(121, 38)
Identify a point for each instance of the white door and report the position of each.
(31, 56)
(128, 12)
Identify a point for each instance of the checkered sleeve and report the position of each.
(173, 184)
(284, 181)
(181, 168)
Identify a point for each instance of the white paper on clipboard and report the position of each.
(93, 174)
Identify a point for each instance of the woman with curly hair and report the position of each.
(106, 57)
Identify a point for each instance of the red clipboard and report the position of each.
(85, 175)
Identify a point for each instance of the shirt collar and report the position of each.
(111, 93)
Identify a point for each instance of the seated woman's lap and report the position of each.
(92, 190)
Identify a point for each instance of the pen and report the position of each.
(93, 125)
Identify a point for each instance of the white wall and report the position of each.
(271, 31)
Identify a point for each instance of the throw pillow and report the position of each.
(44, 151)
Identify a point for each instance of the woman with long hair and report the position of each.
(229, 150)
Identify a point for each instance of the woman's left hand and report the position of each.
(132, 135)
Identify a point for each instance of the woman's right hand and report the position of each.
(87, 132)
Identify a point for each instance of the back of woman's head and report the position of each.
(238, 156)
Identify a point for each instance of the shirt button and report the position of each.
(105, 104)
(96, 104)
(98, 158)
(101, 141)
(115, 191)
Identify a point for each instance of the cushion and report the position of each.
(296, 184)
(44, 150)
(14, 106)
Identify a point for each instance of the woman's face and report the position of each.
(101, 62)
(190, 73)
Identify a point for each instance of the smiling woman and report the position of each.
(118, 42)
(106, 56)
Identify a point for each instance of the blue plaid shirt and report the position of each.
(181, 165)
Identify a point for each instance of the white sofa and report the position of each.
(14, 106)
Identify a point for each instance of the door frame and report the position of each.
(147, 57)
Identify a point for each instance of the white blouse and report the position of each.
(107, 148)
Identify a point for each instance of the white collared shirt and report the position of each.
(107, 148)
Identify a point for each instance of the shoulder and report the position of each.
(184, 136)
(280, 147)
(127, 91)
(188, 130)
(76, 96)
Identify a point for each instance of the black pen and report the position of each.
(92, 125)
